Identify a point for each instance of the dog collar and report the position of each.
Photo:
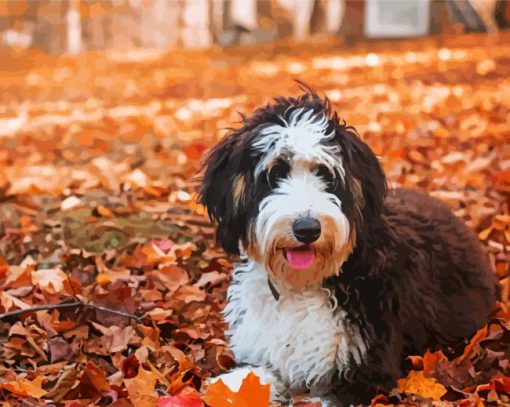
(274, 291)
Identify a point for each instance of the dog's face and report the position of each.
(293, 189)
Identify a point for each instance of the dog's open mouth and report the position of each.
(300, 257)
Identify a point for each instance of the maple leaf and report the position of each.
(251, 393)
(417, 383)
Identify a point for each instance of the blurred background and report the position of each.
(107, 109)
(72, 26)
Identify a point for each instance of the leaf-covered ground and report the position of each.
(99, 228)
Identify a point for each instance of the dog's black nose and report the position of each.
(307, 230)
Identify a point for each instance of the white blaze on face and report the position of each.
(302, 136)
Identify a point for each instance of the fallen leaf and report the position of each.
(184, 399)
(64, 383)
(212, 278)
(25, 388)
(417, 383)
(251, 393)
(141, 388)
(49, 280)
(97, 377)
(189, 293)
(70, 203)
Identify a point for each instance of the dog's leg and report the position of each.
(234, 379)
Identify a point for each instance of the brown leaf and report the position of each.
(64, 384)
(59, 349)
(172, 277)
(189, 293)
(212, 279)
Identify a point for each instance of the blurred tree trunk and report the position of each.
(50, 31)
(353, 24)
(74, 35)
(96, 23)
(196, 31)
(160, 23)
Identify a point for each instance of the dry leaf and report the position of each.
(185, 399)
(417, 383)
(97, 377)
(64, 383)
(251, 393)
(141, 388)
(49, 280)
(25, 388)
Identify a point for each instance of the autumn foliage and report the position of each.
(111, 287)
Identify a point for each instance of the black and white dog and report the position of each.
(339, 280)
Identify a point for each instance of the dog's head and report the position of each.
(293, 189)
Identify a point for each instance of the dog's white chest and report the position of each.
(299, 336)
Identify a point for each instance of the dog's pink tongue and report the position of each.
(300, 259)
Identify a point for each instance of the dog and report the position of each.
(339, 279)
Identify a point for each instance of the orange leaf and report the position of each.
(500, 384)
(179, 381)
(103, 279)
(25, 388)
(430, 360)
(380, 400)
(481, 334)
(97, 377)
(219, 395)
(251, 394)
(4, 267)
(417, 383)
(256, 393)
(61, 326)
(141, 388)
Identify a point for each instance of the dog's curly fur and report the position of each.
(421, 282)
(416, 278)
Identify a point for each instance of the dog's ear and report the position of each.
(364, 167)
(221, 188)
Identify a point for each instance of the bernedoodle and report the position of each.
(339, 278)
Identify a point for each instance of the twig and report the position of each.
(74, 304)
(112, 311)
(41, 308)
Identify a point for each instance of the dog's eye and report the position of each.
(277, 172)
(325, 174)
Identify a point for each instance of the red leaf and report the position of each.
(185, 399)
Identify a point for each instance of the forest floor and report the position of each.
(97, 163)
